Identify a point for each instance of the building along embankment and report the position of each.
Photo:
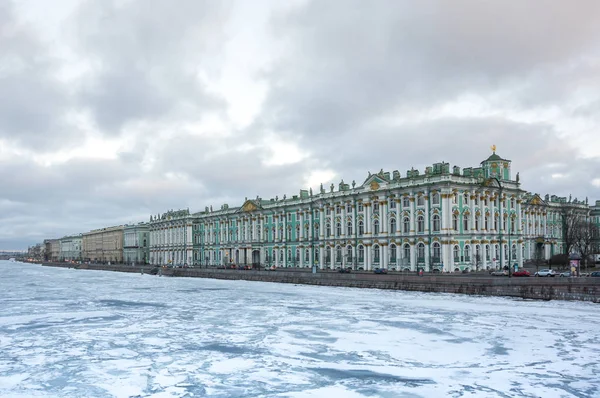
(574, 289)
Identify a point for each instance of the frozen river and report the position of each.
(76, 333)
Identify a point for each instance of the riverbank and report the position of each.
(572, 289)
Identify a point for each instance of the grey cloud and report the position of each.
(32, 100)
(349, 60)
(146, 57)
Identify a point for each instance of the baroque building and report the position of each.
(171, 238)
(136, 243)
(445, 219)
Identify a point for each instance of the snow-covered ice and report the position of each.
(78, 333)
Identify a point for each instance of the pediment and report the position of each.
(375, 182)
(250, 206)
(537, 201)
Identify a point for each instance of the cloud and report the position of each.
(146, 58)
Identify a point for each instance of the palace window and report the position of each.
(393, 226)
(437, 252)
(465, 199)
(421, 224)
(328, 255)
(328, 230)
(393, 253)
(487, 252)
(375, 227)
(421, 200)
(467, 253)
(455, 222)
(435, 198)
(338, 229)
(476, 222)
(349, 253)
(297, 232)
(316, 256)
(338, 210)
(454, 198)
(361, 228)
(406, 251)
(406, 202)
(456, 254)
(496, 222)
(465, 223)
(421, 252)
(338, 254)
(360, 206)
(486, 221)
(298, 255)
(436, 223)
(349, 208)
(375, 208)
(376, 254)
(406, 225)
(306, 255)
(361, 254)
(349, 228)
(327, 210)
(476, 200)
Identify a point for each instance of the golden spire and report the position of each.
(493, 148)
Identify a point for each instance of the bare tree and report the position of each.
(569, 218)
(586, 234)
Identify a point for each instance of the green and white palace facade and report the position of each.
(444, 219)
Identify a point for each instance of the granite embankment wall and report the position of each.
(580, 289)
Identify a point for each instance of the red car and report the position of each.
(522, 272)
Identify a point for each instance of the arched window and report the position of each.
(406, 251)
(328, 255)
(328, 230)
(338, 229)
(406, 202)
(306, 255)
(392, 253)
(375, 254)
(421, 200)
(361, 254)
(465, 222)
(393, 226)
(316, 233)
(316, 256)
(349, 229)
(306, 228)
(456, 253)
(406, 226)
(513, 252)
(467, 253)
(297, 255)
(281, 255)
(349, 253)
(466, 199)
(420, 224)
(435, 198)
(375, 227)
(437, 252)
(361, 228)
(436, 223)
(486, 222)
(455, 222)
(496, 222)
(348, 208)
(338, 254)
(421, 252)
(487, 252)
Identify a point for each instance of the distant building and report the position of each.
(136, 243)
(103, 245)
(52, 250)
(443, 219)
(171, 238)
(70, 248)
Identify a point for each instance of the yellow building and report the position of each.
(103, 245)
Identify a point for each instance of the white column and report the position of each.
(384, 256)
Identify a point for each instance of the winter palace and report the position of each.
(444, 219)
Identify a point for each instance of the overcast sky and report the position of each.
(112, 110)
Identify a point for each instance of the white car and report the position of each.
(500, 273)
(545, 272)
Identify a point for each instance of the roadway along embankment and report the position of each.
(576, 289)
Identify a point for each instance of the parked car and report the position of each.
(272, 268)
(345, 270)
(545, 272)
(522, 272)
(500, 273)
(595, 274)
(566, 274)
(380, 271)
